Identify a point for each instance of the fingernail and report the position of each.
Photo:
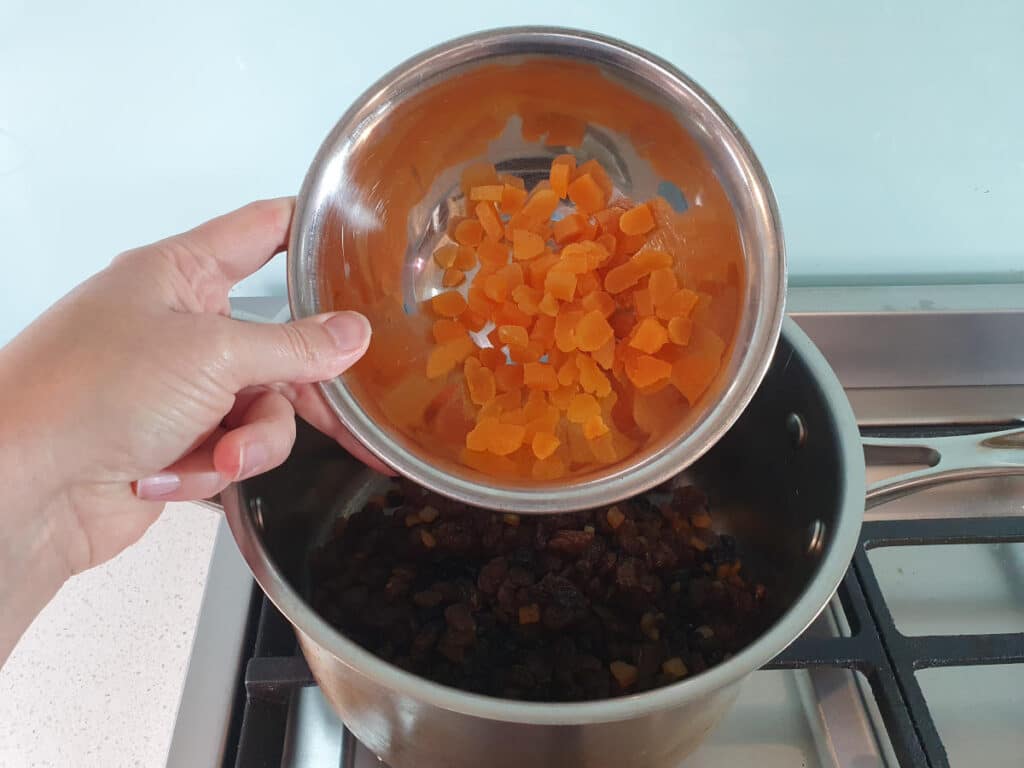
(253, 460)
(350, 330)
(157, 486)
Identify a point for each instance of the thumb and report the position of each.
(312, 349)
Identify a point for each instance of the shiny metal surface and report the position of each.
(944, 459)
(328, 195)
(775, 500)
(200, 722)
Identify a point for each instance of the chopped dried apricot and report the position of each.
(561, 175)
(491, 192)
(453, 277)
(645, 370)
(662, 285)
(595, 427)
(599, 300)
(679, 329)
(593, 331)
(490, 221)
(512, 199)
(496, 288)
(548, 305)
(560, 283)
(637, 221)
(480, 381)
(643, 302)
(509, 378)
(679, 304)
(445, 255)
(569, 227)
(586, 194)
(526, 245)
(513, 335)
(649, 336)
(450, 304)
(544, 444)
(491, 254)
(540, 205)
(465, 258)
(543, 331)
(469, 232)
(447, 329)
(583, 407)
(540, 376)
(444, 357)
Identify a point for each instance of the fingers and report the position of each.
(313, 349)
(309, 403)
(261, 441)
(236, 244)
(260, 438)
(190, 478)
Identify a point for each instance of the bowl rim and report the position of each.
(621, 481)
(790, 624)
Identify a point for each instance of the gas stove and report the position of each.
(917, 661)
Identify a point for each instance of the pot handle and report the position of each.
(946, 459)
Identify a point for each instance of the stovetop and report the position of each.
(918, 660)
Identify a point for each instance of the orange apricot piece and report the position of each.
(599, 300)
(649, 336)
(592, 379)
(490, 221)
(447, 329)
(490, 192)
(679, 304)
(548, 305)
(465, 258)
(598, 173)
(593, 331)
(448, 304)
(561, 174)
(560, 283)
(544, 444)
(586, 194)
(644, 370)
(679, 330)
(637, 220)
(543, 331)
(512, 199)
(491, 357)
(605, 355)
(662, 285)
(643, 302)
(527, 298)
(509, 378)
(469, 232)
(453, 277)
(568, 228)
(594, 427)
(480, 381)
(493, 255)
(526, 245)
(444, 357)
(541, 204)
(565, 329)
(513, 335)
(496, 288)
(540, 376)
(445, 255)
(582, 407)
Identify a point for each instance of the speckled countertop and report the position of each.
(96, 679)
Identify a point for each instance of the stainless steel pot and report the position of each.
(787, 481)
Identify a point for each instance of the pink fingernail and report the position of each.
(253, 460)
(157, 486)
(350, 330)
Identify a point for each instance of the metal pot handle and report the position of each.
(946, 459)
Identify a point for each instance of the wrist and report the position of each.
(33, 565)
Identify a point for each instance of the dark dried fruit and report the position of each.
(565, 607)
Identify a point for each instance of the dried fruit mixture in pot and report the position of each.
(566, 607)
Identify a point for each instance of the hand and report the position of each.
(137, 389)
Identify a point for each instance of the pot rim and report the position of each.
(756, 336)
(834, 563)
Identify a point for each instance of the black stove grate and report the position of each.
(876, 648)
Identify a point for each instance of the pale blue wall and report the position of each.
(893, 132)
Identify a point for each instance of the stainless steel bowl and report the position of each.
(367, 221)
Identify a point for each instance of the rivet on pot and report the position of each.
(796, 429)
(256, 510)
(816, 543)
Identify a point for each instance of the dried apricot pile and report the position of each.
(565, 320)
